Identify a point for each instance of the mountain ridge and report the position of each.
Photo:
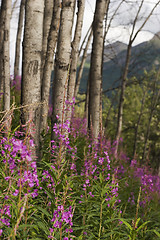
(143, 57)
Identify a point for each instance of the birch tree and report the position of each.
(48, 11)
(31, 67)
(13, 7)
(2, 20)
(6, 54)
(95, 74)
(154, 103)
(18, 39)
(62, 60)
(138, 122)
(81, 67)
(48, 65)
(74, 55)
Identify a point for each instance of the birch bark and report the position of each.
(62, 61)
(95, 74)
(18, 39)
(48, 11)
(48, 65)
(31, 66)
(2, 19)
(74, 55)
(6, 56)
(81, 67)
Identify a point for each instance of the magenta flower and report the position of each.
(16, 192)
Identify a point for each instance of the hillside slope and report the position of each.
(144, 56)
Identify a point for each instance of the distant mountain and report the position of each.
(144, 56)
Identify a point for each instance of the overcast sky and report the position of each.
(120, 27)
(121, 24)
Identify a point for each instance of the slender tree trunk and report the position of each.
(62, 61)
(2, 23)
(147, 135)
(74, 56)
(95, 74)
(31, 67)
(6, 56)
(133, 36)
(18, 39)
(109, 111)
(81, 67)
(87, 102)
(105, 33)
(84, 40)
(13, 8)
(48, 66)
(153, 107)
(159, 171)
(48, 11)
(138, 125)
(122, 95)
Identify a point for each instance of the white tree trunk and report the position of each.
(31, 67)
(2, 20)
(74, 55)
(6, 56)
(18, 39)
(48, 65)
(62, 61)
(81, 67)
(95, 74)
(48, 11)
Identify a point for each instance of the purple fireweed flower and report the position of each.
(70, 230)
(87, 181)
(35, 193)
(7, 178)
(90, 193)
(60, 208)
(16, 192)
(100, 160)
(33, 165)
(17, 153)
(51, 230)
(62, 217)
(57, 224)
(5, 211)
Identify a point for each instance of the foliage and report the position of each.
(78, 191)
(138, 104)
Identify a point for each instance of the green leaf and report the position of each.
(44, 211)
(51, 169)
(27, 226)
(37, 238)
(142, 225)
(101, 178)
(58, 187)
(157, 233)
(127, 224)
(137, 222)
(42, 226)
(50, 194)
